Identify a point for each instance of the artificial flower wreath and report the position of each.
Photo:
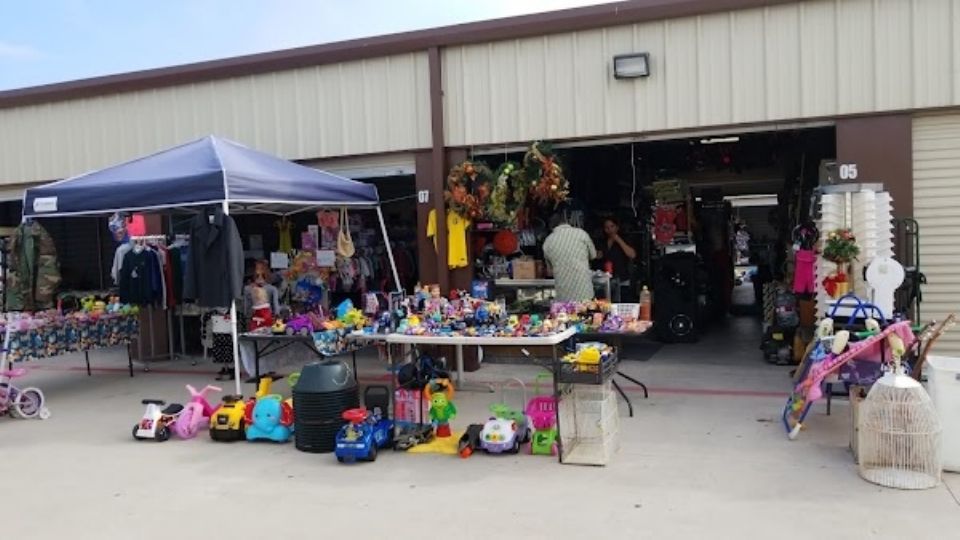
(548, 185)
(469, 185)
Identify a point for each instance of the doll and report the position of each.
(262, 299)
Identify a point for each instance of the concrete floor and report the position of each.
(704, 457)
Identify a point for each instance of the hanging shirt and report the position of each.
(457, 226)
(118, 256)
(569, 251)
(135, 278)
(432, 229)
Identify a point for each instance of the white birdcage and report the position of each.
(899, 437)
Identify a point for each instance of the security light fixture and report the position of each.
(720, 140)
(631, 66)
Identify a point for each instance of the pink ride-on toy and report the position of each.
(196, 413)
(20, 402)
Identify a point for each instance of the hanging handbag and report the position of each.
(344, 240)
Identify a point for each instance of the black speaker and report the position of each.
(675, 307)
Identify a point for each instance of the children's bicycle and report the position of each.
(19, 402)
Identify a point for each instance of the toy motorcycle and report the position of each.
(197, 412)
(157, 423)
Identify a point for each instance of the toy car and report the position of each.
(301, 324)
(412, 436)
(470, 440)
(156, 423)
(500, 436)
(366, 433)
(226, 422)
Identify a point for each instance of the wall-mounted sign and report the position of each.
(423, 196)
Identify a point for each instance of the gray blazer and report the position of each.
(214, 274)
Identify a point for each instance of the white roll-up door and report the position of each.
(371, 166)
(936, 202)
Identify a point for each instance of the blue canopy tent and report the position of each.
(201, 173)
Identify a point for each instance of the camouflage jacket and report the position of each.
(33, 273)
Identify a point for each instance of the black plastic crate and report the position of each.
(580, 373)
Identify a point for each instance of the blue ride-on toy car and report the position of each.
(366, 433)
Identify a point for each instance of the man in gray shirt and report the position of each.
(569, 251)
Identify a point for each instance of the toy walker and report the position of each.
(542, 412)
(508, 428)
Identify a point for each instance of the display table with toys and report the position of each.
(50, 334)
(264, 343)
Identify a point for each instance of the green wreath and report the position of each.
(509, 195)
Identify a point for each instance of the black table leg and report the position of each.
(86, 356)
(624, 396)
(646, 394)
(556, 401)
(356, 376)
(256, 361)
(829, 397)
(129, 360)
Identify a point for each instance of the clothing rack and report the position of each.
(148, 238)
(152, 238)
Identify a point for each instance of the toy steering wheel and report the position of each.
(355, 416)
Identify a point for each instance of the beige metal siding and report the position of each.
(362, 107)
(805, 60)
(936, 199)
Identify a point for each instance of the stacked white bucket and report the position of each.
(869, 214)
(833, 215)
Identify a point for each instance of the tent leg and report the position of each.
(233, 329)
(386, 239)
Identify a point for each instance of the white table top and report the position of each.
(533, 341)
(532, 283)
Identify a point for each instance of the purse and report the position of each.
(345, 246)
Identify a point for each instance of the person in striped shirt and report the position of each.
(569, 250)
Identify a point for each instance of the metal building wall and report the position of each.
(936, 197)
(805, 60)
(350, 108)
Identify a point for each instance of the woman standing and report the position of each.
(618, 255)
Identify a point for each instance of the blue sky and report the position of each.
(47, 41)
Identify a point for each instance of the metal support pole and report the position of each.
(233, 327)
(386, 240)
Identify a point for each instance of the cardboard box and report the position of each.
(524, 268)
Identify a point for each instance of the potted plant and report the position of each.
(840, 247)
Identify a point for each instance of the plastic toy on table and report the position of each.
(299, 325)
(363, 436)
(197, 412)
